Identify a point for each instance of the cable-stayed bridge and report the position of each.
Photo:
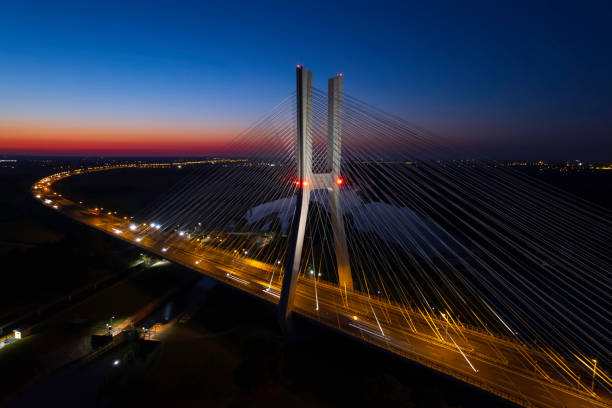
(358, 220)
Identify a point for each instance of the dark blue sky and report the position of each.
(512, 80)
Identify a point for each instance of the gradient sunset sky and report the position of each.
(509, 80)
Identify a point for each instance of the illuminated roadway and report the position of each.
(502, 366)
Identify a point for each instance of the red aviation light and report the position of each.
(303, 182)
(339, 181)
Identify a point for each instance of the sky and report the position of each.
(512, 80)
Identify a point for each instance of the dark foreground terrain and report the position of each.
(223, 348)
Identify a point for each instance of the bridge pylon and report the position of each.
(309, 181)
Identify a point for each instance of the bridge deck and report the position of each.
(502, 366)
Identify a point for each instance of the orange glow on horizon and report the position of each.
(60, 139)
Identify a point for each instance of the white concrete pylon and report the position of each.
(309, 181)
(334, 156)
(304, 167)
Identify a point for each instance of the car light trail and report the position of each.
(272, 292)
(377, 322)
(271, 279)
(237, 279)
(460, 351)
(316, 295)
(360, 327)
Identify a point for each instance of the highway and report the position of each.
(503, 366)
